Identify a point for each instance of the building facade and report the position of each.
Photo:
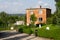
(41, 14)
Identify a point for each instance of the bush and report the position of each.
(20, 30)
(28, 31)
(43, 24)
(53, 33)
(25, 29)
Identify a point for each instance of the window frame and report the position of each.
(40, 11)
(40, 19)
(31, 12)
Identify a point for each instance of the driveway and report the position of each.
(8, 35)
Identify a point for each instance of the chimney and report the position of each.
(40, 6)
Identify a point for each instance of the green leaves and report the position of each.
(54, 21)
(57, 0)
(58, 4)
(33, 18)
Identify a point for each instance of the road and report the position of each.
(7, 35)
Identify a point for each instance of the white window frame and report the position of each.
(40, 11)
(31, 12)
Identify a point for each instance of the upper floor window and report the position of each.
(40, 11)
(31, 12)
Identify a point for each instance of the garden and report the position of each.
(52, 33)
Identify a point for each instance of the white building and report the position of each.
(19, 23)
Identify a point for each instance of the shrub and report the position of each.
(25, 29)
(28, 31)
(42, 33)
(53, 33)
(43, 24)
(20, 30)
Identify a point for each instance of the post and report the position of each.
(12, 28)
(36, 32)
(39, 25)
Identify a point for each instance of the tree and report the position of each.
(57, 3)
(22, 18)
(54, 21)
(33, 18)
(3, 19)
(58, 11)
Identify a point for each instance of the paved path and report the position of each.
(19, 36)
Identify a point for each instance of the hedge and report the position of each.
(53, 33)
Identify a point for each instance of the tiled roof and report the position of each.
(36, 8)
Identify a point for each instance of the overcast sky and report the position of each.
(19, 6)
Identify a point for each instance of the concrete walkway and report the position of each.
(23, 37)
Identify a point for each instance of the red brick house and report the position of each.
(41, 14)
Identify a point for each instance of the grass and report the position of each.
(4, 28)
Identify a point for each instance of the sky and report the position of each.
(20, 6)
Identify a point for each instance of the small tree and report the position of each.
(33, 19)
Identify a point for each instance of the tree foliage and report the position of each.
(57, 3)
(58, 11)
(33, 18)
(49, 20)
(6, 19)
(52, 20)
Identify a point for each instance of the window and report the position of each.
(31, 11)
(40, 19)
(40, 11)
